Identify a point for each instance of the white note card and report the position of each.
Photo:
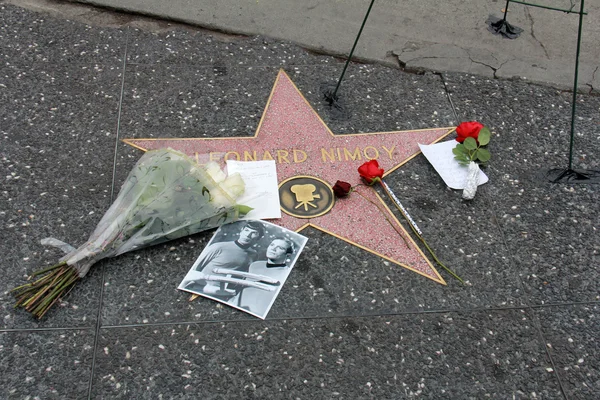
(262, 191)
(442, 159)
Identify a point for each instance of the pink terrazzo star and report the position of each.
(292, 133)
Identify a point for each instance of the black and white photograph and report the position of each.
(245, 265)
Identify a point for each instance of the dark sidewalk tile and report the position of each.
(572, 335)
(185, 65)
(331, 278)
(179, 100)
(531, 123)
(35, 37)
(453, 355)
(173, 100)
(465, 237)
(58, 133)
(552, 239)
(45, 364)
(149, 294)
(335, 278)
(219, 51)
(549, 228)
(375, 98)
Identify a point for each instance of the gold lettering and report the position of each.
(329, 153)
(389, 152)
(203, 158)
(339, 154)
(354, 156)
(282, 155)
(296, 159)
(267, 155)
(237, 155)
(215, 156)
(248, 156)
(367, 155)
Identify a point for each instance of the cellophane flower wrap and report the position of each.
(165, 196)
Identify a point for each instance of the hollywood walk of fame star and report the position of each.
(293, 134)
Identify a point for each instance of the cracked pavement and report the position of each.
(449, 36)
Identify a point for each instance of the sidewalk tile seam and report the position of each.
(103, 267)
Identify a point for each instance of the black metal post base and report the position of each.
(330, 97)
(499, 26)
(338, 110)
(568, 175)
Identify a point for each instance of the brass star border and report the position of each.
(294, 135)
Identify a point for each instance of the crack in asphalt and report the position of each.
(498, 69)
(530, 18)
(403, 65)
(482, 63)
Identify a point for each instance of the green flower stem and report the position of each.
(69, 279)
(407, 218)
(39, 296)
(472, 153)
(58, 287)
(64, 292)
(50, 268)
(30, 286)
(44, 288)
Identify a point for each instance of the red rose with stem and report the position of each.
(372, 173)
(468, 129)
(472, 137)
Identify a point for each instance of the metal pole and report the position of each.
(333, 96)
(574, 107)
(568, 11)
(505, 10)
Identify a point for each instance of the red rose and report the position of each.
(468, 129)
(371, 172)
(342, 189)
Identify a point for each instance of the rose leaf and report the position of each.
(459, 151)
(484, 136)
(462, 158)
(470, 143)
(483, 155)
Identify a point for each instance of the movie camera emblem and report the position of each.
(305, 197)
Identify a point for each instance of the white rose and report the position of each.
(234, 185)
(215, 172)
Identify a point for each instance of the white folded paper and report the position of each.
(262, 191)
(441, 157)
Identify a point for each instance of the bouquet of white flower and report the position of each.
(165, 196)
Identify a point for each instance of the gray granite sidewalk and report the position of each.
(347, 324)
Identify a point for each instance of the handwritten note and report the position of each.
(441, 157)
(262, 192)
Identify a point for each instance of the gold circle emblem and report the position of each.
(305, 197)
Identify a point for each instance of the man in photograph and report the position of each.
(234, 255)
(275, 267)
